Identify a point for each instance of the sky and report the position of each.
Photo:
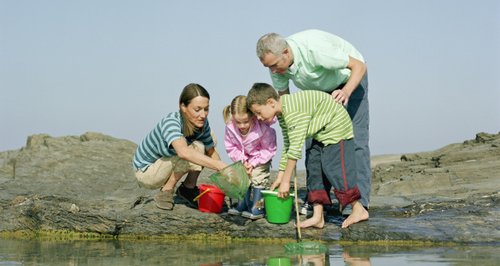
(117, 67)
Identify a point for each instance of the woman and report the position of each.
(180, 143)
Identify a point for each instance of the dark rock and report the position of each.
(85, 185)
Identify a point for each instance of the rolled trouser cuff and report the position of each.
(348, 196)
(319, 196)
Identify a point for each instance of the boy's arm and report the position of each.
(284, 188)
(277, 182)
(283, 159)
(297, 127)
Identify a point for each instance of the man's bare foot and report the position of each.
(359, 213)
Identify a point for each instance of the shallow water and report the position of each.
(181, 252)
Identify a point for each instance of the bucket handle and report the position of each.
(201, 194)
(275, 193)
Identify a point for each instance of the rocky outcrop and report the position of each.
(84, 186)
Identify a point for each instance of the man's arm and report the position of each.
(358, 70)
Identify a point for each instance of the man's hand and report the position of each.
(340, 96)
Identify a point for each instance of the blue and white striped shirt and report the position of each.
(157, 143)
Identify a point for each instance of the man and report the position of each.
(317, 60)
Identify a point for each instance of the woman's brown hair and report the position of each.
(190, 92)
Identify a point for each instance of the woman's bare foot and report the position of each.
(359, 213)
(317, 220)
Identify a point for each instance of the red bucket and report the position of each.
(212, 199)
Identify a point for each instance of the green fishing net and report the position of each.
(233, 180)
(305, 248)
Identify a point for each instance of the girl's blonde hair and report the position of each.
(238, 106)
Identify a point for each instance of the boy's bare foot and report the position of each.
(317, 220)
(359, 213)
(356, 261)
(313, 222)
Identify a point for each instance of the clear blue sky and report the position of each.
(117, 67)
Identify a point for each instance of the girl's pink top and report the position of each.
(257, 147)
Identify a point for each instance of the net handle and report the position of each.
(299, 236)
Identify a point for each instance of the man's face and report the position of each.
(264, 112)
(276, 63)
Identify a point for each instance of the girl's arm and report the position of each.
(233, 148)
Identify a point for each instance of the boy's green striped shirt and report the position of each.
(311, 114)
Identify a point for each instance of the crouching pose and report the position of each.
(180, 143)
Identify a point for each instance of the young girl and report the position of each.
(254, 143)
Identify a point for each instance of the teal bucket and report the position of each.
(278, 210)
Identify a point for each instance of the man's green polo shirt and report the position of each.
(320, 61)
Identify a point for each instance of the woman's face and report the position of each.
(243, 122)
(196, 111)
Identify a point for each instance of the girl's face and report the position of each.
(243, 122)
(196, 111)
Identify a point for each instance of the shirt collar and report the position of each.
(292, 70)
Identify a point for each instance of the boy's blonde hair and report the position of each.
(238, 106)
(260, 93)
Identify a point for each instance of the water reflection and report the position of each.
(355, 261)
(149, 252)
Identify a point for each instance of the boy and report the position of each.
(313, 114)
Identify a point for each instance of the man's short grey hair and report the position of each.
(271, 43)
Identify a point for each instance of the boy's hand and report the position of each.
(284, 190)
(275, 184)
(277, 181)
